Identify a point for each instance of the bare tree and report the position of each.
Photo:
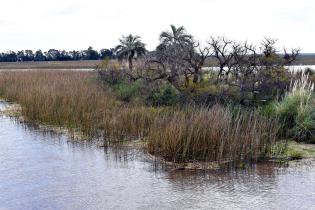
(195, 57)
(256, 71)
(223, 52)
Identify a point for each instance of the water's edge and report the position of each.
(44, 170)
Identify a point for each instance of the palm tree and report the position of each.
(129, 48)
(175, 36)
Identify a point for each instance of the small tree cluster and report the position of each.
(256, 73)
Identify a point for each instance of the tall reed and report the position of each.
(75, 100)
(212, 134)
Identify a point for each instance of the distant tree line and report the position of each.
(57, 55)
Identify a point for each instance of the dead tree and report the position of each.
(222, 51)
(195, 58)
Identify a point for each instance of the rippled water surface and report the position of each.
(39, 170)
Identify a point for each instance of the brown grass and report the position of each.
(84, 64)
(213, 134)
(75, 100)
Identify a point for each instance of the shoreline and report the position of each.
(295, 152)
(67, 65)
(14, 110)
(84, 65)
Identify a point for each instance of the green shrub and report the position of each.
(126, 91)
(295, 155)
(109, 73)
(304, 129)
(164, 95)
(268, 110)
(297, 111)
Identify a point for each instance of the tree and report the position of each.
(75, 55)
(11, 56)
(106, 53)
(64, 56)
(130, 47)
(171, 53)
(91, 54)
(175, 36)
(39, 56)
(259, 72)
(29, 55)
(195, 58)
(52, 55)
(20, 55)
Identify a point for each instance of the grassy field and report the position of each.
(87, 64)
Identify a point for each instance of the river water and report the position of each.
(42, 170)
(292, 68)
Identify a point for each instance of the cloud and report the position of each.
(65, 10)
(77, 24)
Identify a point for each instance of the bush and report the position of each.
(126, 91)
(109, 73)
(297, 110)
(304, 129)
(164, 95)
(268, 110)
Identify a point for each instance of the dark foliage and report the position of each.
(56, 55)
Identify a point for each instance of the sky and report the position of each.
(78, 24)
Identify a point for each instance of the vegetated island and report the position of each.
(247, 109)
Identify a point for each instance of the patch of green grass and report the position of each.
(300, 150)
(126, 91)
(295, 155)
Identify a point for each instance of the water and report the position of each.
(291, 68)
(301, 67)
(42, 170)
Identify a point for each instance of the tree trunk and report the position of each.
(186, 80)
(197, 76)
(130, 63)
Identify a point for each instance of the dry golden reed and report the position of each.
(77, 101)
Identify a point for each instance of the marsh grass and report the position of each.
(297, 110)
(213, 134)
(50, 65)
(75, 100)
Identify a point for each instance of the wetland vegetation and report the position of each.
(242, 109)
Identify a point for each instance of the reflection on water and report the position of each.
(41, 170)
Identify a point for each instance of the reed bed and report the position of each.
(77, 101)
(58, 98)
(50, 65)
(213, 134)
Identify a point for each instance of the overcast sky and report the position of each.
(77, 24)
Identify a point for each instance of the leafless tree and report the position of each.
(255, 70)
(223, 52)
(195, 57)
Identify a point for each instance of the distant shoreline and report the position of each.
(91, 64)
(84, 64)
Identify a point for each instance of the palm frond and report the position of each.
(130, 46)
